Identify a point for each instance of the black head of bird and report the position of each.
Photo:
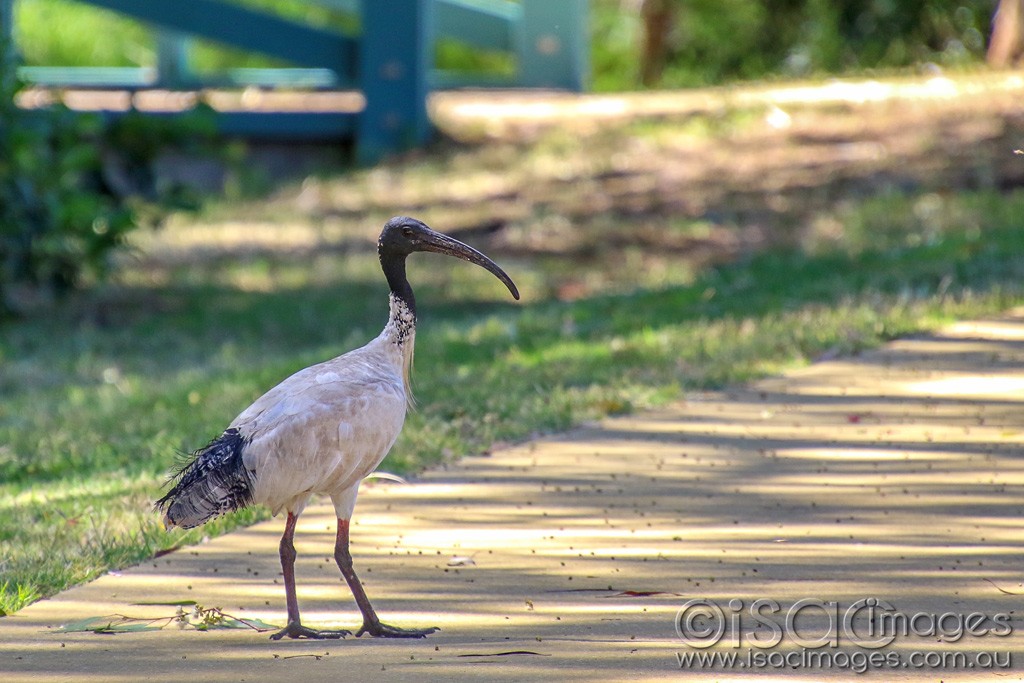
(402, 236)
(322, 430)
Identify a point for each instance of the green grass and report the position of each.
(99, 398)
(68, 33)
(634, 293)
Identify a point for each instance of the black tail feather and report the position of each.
(213, 481)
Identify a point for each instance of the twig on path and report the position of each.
(1002, 590)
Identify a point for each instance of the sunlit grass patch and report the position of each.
(14, 597)
(100, 397)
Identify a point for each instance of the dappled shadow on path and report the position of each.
(896, 475)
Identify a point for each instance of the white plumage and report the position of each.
(321, 431)
(335, 420)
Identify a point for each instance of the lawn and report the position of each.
(656, 257)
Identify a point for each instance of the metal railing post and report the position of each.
(553, 44)
(173, 70)
(395, 57)
(7, 20)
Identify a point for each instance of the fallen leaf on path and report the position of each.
(505, 654)
(639, 594)
(199, 619)
(112, 623)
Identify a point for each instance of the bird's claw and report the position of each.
(297, 630)
(380, 630)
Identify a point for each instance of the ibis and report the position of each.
(321, 431)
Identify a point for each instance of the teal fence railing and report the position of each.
(390, 60)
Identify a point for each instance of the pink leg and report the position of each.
(371, 624)
(295, 629)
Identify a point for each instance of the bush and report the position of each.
(56, 222)
(65, 205)
(719, 41)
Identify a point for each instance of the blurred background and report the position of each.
(689, 193)
(654, 43)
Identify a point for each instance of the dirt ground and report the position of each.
(756, 165)
(698, 176)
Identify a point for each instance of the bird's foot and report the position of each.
(381, 630)
(296, 630)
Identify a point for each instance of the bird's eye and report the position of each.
(407, 231)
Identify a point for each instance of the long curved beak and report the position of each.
(443, 244)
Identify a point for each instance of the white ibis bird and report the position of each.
(322, 430)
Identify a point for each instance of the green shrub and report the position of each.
(55, 223)
(60, 216)
(719, 41)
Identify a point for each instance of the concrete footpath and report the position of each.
(895, 476)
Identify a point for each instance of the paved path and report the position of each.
(897, 475)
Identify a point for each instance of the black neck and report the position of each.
(393, 266)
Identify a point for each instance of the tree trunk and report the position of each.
(657, 17)
(1007, 43)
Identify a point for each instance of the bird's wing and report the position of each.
(272, 398)
(321, 430)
